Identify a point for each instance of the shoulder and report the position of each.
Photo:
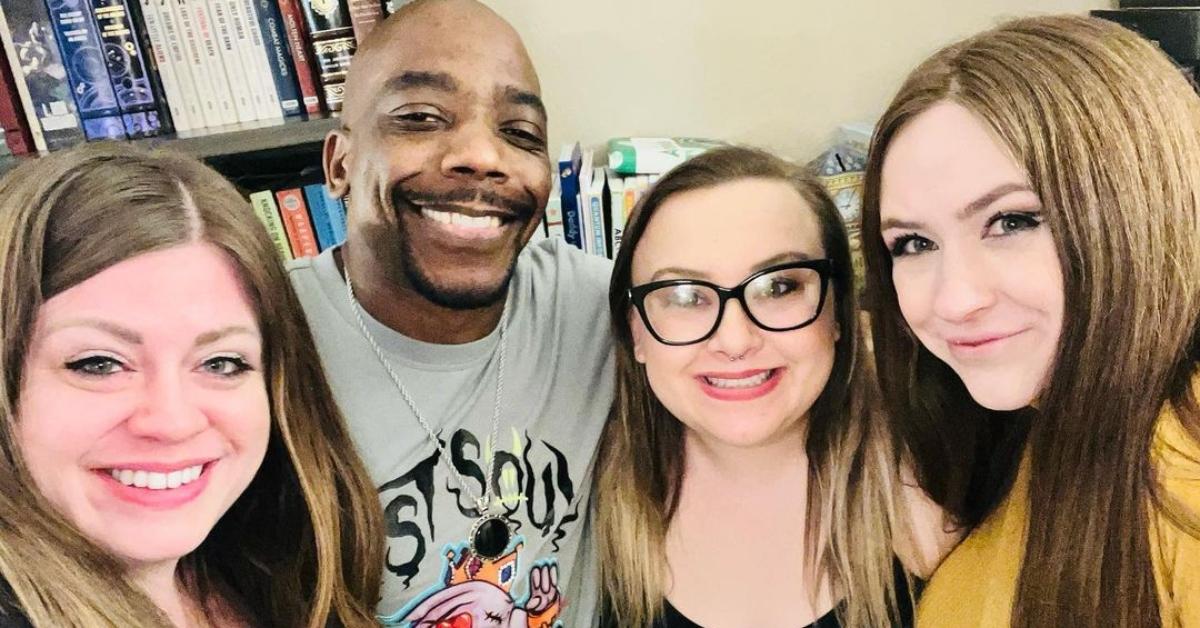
(553, 257)
(930, 533)
(1176, 456)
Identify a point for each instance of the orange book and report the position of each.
(296, 222)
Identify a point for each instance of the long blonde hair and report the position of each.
(302, 546)
(852, 492)
(1108, 131)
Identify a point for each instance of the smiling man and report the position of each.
(474, 372)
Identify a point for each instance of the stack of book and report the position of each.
(75, 70)
(302, 220)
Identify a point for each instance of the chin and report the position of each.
(154, 547)
(1000, 398)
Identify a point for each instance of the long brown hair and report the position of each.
(1108, 131)
(302, 546)
(851, 491)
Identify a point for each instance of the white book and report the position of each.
(166, 69)
(230, 54)
(174, 49)
(616, 210)
(258, 59)
(554, 215)
(596, 213)
(215, 111)
(10, 52)
(586, 226)
(210, 58)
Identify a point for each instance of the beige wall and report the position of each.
(778, 73)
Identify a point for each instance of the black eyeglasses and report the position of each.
(780, 298)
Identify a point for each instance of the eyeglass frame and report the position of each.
(637, 297)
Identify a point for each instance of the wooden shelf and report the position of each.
(276, 137)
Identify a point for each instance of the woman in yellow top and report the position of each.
(1032, 236)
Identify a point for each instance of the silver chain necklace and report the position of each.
(491, 534)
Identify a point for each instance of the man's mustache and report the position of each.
(522, 208)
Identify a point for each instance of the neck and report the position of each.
(779, 458)
(401, 308)
(159, 583)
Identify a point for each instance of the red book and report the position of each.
(364, 14)
(295, 221)
(16, 125)
(306, 71)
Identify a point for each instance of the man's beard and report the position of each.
(453, 297)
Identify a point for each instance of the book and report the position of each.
(333, 43)
(654, 155)
(336, 207)
(595, 208)
(318, 212)
(39, 75)
(16, 128)
(302, 61)
(127, 69)
(364, 15)
(79, 41)
(264, 207)
(206, 62)
(279, 58)
(230, 54)
(296, 222)
(554, 216)
(569, 161)
(616, 211)
(248, 33)
(177, 56)
(160, 51)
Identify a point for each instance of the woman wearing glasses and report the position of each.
(741, 481)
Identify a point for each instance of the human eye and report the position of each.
(228, 366)
(96, 365)
(910, 244)
(685, 296)
(777, 287)
(1008, 223)
(524, 135)
(417, 118)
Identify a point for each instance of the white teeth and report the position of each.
(745, 382)
(462, 220)
(156, 481)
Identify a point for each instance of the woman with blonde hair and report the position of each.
(1032, 236)
(742, 478)
(171, 455)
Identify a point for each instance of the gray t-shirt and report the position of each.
(558, 387)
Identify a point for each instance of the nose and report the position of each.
(964, 287)
(736, 335)
(474, 153)
(168, 412)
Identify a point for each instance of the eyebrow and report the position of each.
(774, 260)
(209, 337)
(518, 96)
(970, 209)
(413, 79)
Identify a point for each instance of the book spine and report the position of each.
(333, 45)
(264, 206)
(314, 195)
(295, 220)
(37, 65)
(336, 208)
(554, 212)
(12, 119)
(306, 72)
(83, 58)
(230, 55)
(127, 68)
(248, 61)
(572, 226)
(364, 15)
(165, 119)
(176, 52)
(279, 59)
(210, 59)
(211, 110)
(160, 51)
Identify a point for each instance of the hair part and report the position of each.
(303, 543)
(1108, 131)
(641, 461)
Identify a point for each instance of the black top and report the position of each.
(672, 618)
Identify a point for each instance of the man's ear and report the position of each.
(334, 160)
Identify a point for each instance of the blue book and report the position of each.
(336, 209)
(33, 53)
(279, 56)
(88, 75)
(318, 213)
(128, 69)
(569, 162)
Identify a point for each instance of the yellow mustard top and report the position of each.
(976, 585)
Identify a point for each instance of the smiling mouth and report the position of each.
(739, 383)
(458, 219)
(155, 480)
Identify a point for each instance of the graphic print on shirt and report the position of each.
(538, 496)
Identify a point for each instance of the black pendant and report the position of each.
(490, 536)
